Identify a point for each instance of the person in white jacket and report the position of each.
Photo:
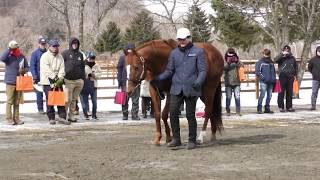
(51, 77)
(92, 72)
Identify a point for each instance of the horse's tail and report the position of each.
(216, 119)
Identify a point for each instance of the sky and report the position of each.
(181, 8)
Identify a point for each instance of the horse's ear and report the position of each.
(172, 43)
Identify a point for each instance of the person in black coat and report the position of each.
(314, 68)
(287, 67)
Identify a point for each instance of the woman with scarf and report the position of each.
(231, 79)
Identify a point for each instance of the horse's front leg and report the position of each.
(165, 113)
(157, 113)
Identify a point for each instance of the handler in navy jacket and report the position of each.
(187, 67)
(266, 73)
(35, 69)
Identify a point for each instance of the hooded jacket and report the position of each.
(314, 66)
(265, 70)
(74, 62)
(231, 65)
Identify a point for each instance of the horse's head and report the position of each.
(135, 65)
(147, 61)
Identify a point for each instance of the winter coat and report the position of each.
(74, 62)
(314, 67)
(287, 65)
(188, 70)
(35, 63)
(122, 72)
(265, 70)
(13, 65)
(231, 77)
(96, 71)
(51, 67)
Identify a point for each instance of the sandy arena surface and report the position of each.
(279, 146)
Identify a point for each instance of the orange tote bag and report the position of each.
(24, 83)
(56, 98)
(295, 88)
(241, 74)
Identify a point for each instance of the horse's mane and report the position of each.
(170, 42)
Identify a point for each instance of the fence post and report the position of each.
(257, 86)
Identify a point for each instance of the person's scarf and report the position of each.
(15, 52)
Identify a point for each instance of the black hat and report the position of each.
(54, 42)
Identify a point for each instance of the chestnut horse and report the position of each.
(150, 59)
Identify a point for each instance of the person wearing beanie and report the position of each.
(93, 72)
(35, 70)
(287, 69)
(266, 73)
(231, 79)
(314, 68)
(16, 64)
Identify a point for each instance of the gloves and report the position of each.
(196, 86)
(59, 83)
(35, 81)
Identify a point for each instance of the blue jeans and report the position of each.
(265, 88)
(84, 98)
(39, 95)
(236, 93)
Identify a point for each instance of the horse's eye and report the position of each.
(136, 68)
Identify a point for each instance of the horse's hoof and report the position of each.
(201, 137)
(213, 138)
(168, 139)
(157, 143)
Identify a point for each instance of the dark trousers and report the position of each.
(286, 83)
(84, 97)
(135, 95)
(146, 105)
(39, 95)
(50, 109)
(175, 103)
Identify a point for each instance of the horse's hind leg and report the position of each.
(165, 113)
(207, 99)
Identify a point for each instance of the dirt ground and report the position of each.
(283, 148)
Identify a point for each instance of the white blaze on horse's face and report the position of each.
(128, 75)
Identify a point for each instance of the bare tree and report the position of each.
(306, 21)
(82, 4)
(170, 7)
(62, 6)
(102, 8)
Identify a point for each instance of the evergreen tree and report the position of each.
(233, 29)
(110, 39)
(141, 29)
(198, 23)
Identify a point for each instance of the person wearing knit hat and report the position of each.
(232, 81)
(314, 68)
(288, 69)
(16, 64)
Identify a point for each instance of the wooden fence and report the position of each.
(109, 72)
